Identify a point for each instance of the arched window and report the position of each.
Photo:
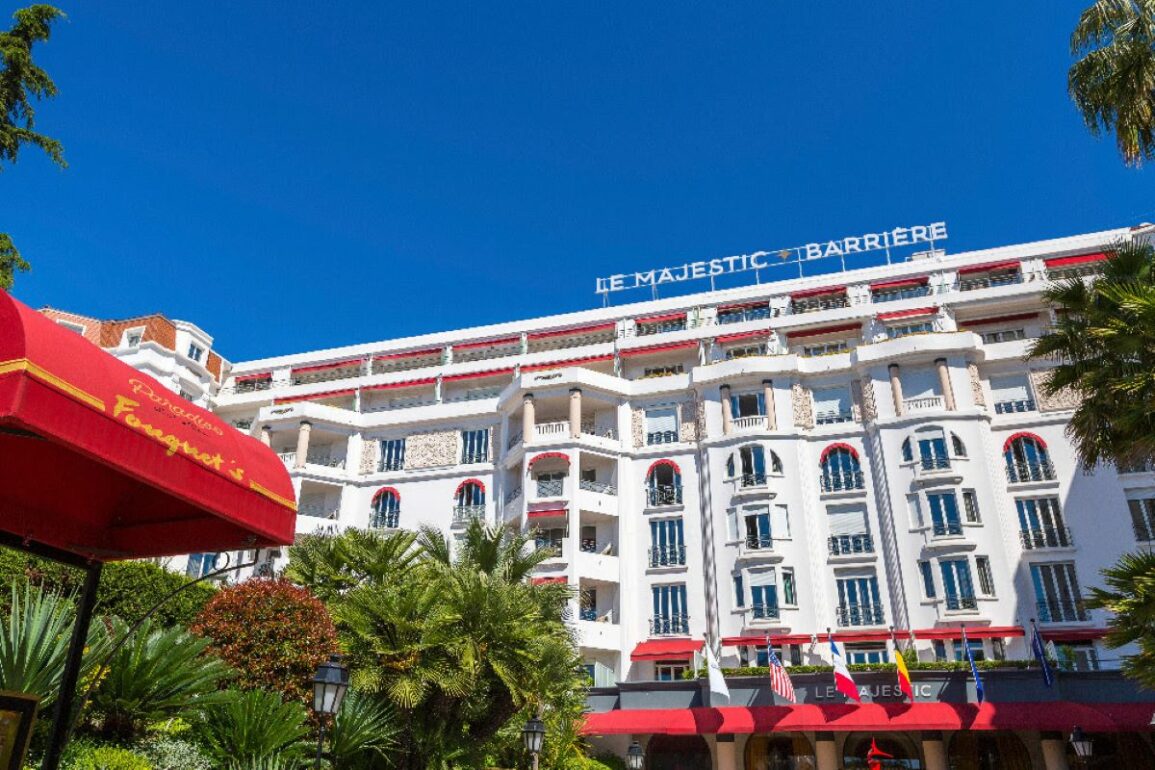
(664, 483)
(840, 469)
(469, 501)
(386, 509)
(907, 452)
(752, 469)
(779, 752)
(957, 446)
(932, 452)
(1027, 458)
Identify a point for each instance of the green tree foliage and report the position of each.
(1130, 596)
(1113, 80)
(462, 647)
(1104, 340)
(10, 262)
(362, 732)
(157, 674)
(272, 632)
(89, 756)
(252, 726)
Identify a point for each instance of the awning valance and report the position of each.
(541, 581)
(576, 330)
(898, 315)
(989, 267)
(818, 331)
(1081, 259)
(408, 354)
(478, 375)
(999, 320)
(349, 364)
(426, 381)
(756, 334)
(488, 343)
(822, 292)
(1071, 634)
(630, 352)
(253, 377)
(666, 649)
(900, 283)
(973, 632)
(760, 639)
(547, 513)
(570, 362)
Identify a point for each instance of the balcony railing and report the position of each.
(739, 316)
(1018, 405)
(842, 481)
(588, 545)
(1139, 466)
(947, 528)
(668, 625)
(385, 519)
(813, 306)
(550, 488)
(391, 465)
(1046, 537)
(896, 294)
(989, 281)
(514, 440)
(471, 458)
(463, 514)
(251, 386)
(644, 330)
(549, 543)
(1144, 530)
(860, 615)
(668, 556)
(325, 460)
(588, 613)
(753, 422)
(764, 611)
(512, 495)
(847, 545)
(557, 428)
(759, 542)
(664, 495)
(752, 480)
(961, 602)
(600, 487)
(833, 418)
(922, 404)
(662, 437)
(1059, 611)
(318, 511)
(934, 463)
(1018, 473)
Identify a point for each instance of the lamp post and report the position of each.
(534, 735)
(635, 757)
(1082, 745)
(330, 684)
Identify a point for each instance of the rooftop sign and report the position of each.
(760, 260)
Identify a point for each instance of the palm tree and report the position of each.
(253, 727)
(1113, 80)
(1104, 341)
(1130, 595)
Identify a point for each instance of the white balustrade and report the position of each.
(923, 404)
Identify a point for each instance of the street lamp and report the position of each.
(534, 735)
(1081, 744)
(330, 684)
(635, 758)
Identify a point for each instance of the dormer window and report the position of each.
(133, 339)
(195, 352)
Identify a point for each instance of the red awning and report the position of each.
(403, 384)
(658, 348)
(316, 396)
(867, 636)
(1081, 259)
(989, 267)
(666, 649)
(1071, 634)
(487, 343)
(1023, 434)
(103, 461)
(743, 305)
(759, 639)
(477, 375)
(571, 362)
(999, 319)
(408, 354)
(538, 581)
(818, 292)
(758, 333)
(325, 367)
(594, 329)
(657, 319)
(838, 445)
(795, 334)
(973, 632)
(547, 513)
(919, 280)
(253, 377)
(897, 315)
(548, 456)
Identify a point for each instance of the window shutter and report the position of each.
(1009, 388)
(780, 520)
(919, 382)
(831, 401)
(661, 420)
(847, 522)
(763, 578)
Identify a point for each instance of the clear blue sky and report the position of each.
(293, 175)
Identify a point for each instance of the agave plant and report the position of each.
(362, 732)
(34, 640)
(157, 674)
(252, 727)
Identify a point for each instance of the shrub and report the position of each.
(95, 757)
(252, 726)
(611, 761)
(273, 633)
(168, 753)
(129, 589)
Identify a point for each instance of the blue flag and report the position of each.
(979, 694)
(1041, 656)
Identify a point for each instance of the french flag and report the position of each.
(842, 680)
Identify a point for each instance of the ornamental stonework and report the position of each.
(431, 450)
(803, 408)
(688, 427)
(1064, 399)
(976, 384)
(638, 427)
(856, 400)
(369, 450)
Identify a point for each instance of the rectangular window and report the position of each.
(748, 405)
(1143, 519)
(732, 525)
(392, 455)
(914, 508)
(669, 605)
(789, 590)
(932, 452)
(670, 672)
(195, 351)
(661, 425)
(927, 579)
(745, 351)
(832, 405)
(1041, 523)
(848, 530)
(971, 506)
(976, 646)
(1004, 335)
(758, 532)
(986, 578)
(475, 446)
(662, 371)
(764, 595)
(866, 653)
(825, 349)
(200, 564)
(957, 585)
(858, 602)
(739, 591)
(944, 516)
(780, 520)
(667, 543)
(1012, 394)
(739, 314)
(1057, 595)
(906, 330)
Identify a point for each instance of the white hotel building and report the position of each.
(846, 454)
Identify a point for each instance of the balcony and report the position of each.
(549, 544)
(664, 495)
(1013, 407)
(668, 556)
(1046, 537)
(764, 612)
(815, 305)
(662, 437)
(753, 422)
(961, 603)
(947, 529)
(860, 615)
(601, 487)
(923, 404)
(1022, 473)
(648, 329)
(669, 625)
(833, 418)
(552, 430)
(850, 545)
(463, 514)
(390, 465)
(990, 281)
(751, 480)
(842, 481)
(551, 488)
(588, 613)
(385, 519)
(1059, 611)
(758, 543)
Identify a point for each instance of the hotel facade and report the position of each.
(866, 456)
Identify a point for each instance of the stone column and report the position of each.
(303, 443)
(895, 388)
(768, 398)
(825, 751)
(575, 412)
(934, 751)
(726, 755)
(944, 383)
(528, 421)
(727, 414)
(266, 435)
(1054, 751)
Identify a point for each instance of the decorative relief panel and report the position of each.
(976, 384)
(856, 400)
(370, 449)
(803, 407)
(638, 426)
(1064, 399)
(688, 424)
(431, 450)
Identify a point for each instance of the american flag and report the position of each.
(779, 679)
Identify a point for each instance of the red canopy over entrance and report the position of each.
(104, 462)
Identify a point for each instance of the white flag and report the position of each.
(717, 681)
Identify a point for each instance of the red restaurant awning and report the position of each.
(1071, 634)
(899, 283)
(253, 377)
(1081, 259)
(547, 513)
(759, 639)
(989, 267)
(666, 649)
(103, 461)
